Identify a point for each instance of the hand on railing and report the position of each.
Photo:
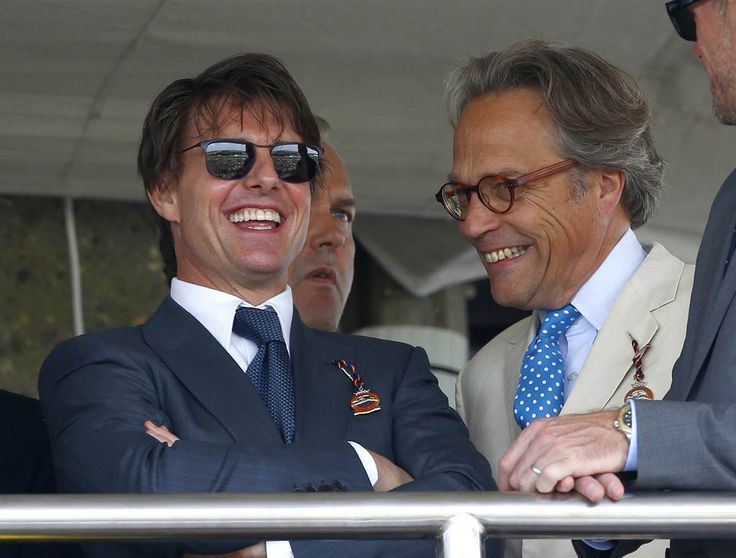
(570, 452)
(390, 475)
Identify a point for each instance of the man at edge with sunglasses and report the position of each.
(552, 220)
(687, 441)
(259, 401)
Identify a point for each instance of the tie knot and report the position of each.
(260, 326)
(557, 322)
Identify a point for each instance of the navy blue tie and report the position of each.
(270, 369)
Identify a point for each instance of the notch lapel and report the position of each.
(711, 299)
(610, 358)
(209, 373)
(322, 392)
(653, 285)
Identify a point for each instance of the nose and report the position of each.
(326, 233)
(262, 174)
(479, 219)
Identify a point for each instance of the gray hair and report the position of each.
(601, 115)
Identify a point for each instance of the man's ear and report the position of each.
(611, 188)
(164, 200)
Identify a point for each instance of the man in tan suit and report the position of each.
(554, 165)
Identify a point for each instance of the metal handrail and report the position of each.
(458, 520)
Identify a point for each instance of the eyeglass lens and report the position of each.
(492, 191)
(231, 160)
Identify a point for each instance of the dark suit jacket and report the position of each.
(26, 467)
(98, 389)
(688, 441)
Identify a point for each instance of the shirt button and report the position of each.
(572, 376)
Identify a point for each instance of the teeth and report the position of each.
(249, 214)
(504, 254)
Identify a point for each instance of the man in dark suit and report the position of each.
(685, 442)
(26, 466)
(260, 402)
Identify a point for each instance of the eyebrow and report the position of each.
(343, 202)
(506, 172)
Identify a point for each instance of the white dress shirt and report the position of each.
(594, 301)
(215, 310)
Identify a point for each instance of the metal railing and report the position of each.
(458, 521)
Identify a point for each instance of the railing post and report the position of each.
(461, 537)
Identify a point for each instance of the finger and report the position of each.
(515, 465)
(565, 485)
(160, 433)
(590, 488)
(612, 485)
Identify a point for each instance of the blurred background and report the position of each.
(79, 247)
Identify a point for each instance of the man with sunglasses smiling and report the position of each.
(553, 166)
(258, 401)
(687, 441)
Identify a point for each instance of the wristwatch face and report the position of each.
(623, 421)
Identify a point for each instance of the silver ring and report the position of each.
(536, 471)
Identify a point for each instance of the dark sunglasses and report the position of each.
(232, 159)
(682, 18)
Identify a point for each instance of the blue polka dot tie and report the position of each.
(541, 392)
(270, 369)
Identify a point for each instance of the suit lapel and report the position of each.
(610, 358)
(209, 373)
(713, 291)
(321, 390)
(653, 285)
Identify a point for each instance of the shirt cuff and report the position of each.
(632, 458)
(596, 544)
(371, 469)
(278, 549)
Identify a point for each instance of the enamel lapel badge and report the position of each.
(364, 401)
(639, 389)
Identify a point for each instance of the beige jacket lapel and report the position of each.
(512, 368)
(610, 360)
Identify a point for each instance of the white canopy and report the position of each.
(76, 78)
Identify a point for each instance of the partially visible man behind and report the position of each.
(26, 467)
(322, 274)
(554, 165)
(685, 442)
(259, 401)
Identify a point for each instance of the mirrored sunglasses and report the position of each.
(231, 159)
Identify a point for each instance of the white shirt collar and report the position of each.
(215, 310)
(596, 297)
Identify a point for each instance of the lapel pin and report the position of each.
(639, 389)
(364, 401)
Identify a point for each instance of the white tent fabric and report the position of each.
(76, 78)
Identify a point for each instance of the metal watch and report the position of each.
(623, 421)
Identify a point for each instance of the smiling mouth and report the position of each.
(508, 253)
(255, 218)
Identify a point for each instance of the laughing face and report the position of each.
(540, 253)
(237, 236)
(322, 274)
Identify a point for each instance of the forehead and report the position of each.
(223, 118)
(504, 132)
(336, 180)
